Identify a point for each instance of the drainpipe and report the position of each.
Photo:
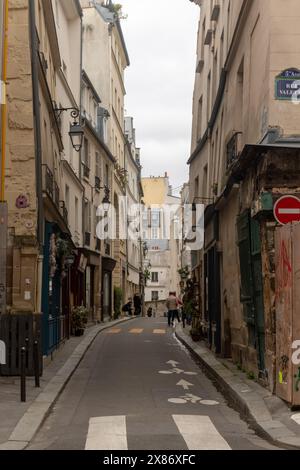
(38, 150)
(3, 121)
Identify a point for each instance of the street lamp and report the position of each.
(106, 200)
(76, 132)
(76, 135)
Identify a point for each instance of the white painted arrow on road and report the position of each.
(173, 363)
(186, 385)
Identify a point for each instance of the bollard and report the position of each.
(23, 374)
(36, 364)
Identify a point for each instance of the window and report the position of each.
(106, 175)
(154, 277)
(154, 295)
(228, 25)
(98, 166)
(221, 52)
(154, 233)
(87, 217)
(67, 198)
(57, 13)
(196, 190)
(203, 39)
(215, 76)
(76, 214)
(208, 96)
(199, 120)
(240, 95)
(204, 183)
(155, 218)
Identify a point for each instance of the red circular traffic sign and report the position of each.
(287, 210)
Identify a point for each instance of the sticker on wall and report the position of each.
(22, 202)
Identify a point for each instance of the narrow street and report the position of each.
(138, 388)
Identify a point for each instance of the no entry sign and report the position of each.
(287, 210)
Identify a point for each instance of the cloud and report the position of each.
(161, 40)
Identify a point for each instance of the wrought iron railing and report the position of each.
(97, 182)
(87, 239)
(48, 181)
(56, 194)
(86, 171)
(64, 211)
(233, 148)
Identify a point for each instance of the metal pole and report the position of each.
(36, 361)
(23, 375)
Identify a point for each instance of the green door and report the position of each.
(251, 282)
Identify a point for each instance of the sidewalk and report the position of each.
(266, 413)
(20, 421)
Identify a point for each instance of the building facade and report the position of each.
(104, 43)
(244, 156)
(160, 227)
(134, 193)
(39, 155)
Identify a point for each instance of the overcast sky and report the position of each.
(161, 40)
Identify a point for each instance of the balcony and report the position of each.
(107, 249)
(98, 245)
(48, 181)
(56, 194)
(234, 148)
(64, 211)
(97, 183)
(86, 171)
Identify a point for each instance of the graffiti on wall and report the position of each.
(297, 381)
(284, 270)
(283, 369)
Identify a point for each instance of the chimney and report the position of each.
(166, 175)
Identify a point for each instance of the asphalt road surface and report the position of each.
(138, 388)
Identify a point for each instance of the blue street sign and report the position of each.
(287, 85)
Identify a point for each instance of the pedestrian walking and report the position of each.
(172, 305)
(128, 307)
(137, 304)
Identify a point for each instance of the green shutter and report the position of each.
(244, 243)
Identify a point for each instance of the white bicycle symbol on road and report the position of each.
(190, 398)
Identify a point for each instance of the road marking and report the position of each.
(173, 363)
(186, 385)
(114, 331)
(159, 332)
(209, 402)
(296, 418)
(200, 433)
(190, 398)
(136, 331)
(107, 433)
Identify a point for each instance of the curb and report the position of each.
(38, 411)
(250, 405)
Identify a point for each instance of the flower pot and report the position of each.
(196, 337)
(79, 332)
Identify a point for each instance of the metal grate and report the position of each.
(17, 331)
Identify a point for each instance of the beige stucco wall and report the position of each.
(20, 162)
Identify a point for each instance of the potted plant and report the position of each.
(195, 334)
(79, 320)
